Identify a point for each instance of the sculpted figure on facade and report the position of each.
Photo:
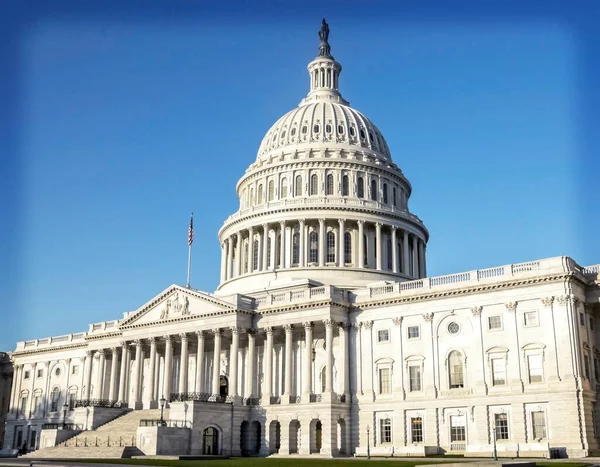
(165, 311)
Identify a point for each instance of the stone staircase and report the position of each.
(115, 439)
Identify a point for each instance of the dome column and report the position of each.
(415, 257)
(321, 242)
(228, 268)
(265, 250)
(378, 248)
(405, 256)
(361, 244)
(282, 244)
(394, 251)
(250, 249)
(341, 240)
(421, 259)
(301, 243)
(238, 266)
(223, 262)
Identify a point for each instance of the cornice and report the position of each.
(301, 306)
(91, 337)
(21, 353)
(180, 319)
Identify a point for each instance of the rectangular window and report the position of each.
(37, 403)
(494, 322)
(414, 332)
(534, 363)
(581, 319)
(386, 430)
(75, 370)
(414, 373)
(385, 385)
(538, 421)
(416, 429)
(40, 373)
(530, 318)
(498, 371)
(26, 374)
(586, 361)
(72, 399)
(383, 335)
(501, 424)
(32, 438)
(458, 428)
(23, 407)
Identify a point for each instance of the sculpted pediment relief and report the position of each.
(176, 303)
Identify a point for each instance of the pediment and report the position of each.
(176, 304)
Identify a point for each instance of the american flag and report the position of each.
(191, 231)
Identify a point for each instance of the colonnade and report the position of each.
(323, 242)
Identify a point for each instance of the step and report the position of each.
(113, 452)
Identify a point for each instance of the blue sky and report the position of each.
(119, 122)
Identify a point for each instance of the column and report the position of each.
(223, 262)
(341, 240)
(329, 349)
(321, 242)
(367, 356)
(168, 368)
(282, 244)
(228, 267)
(113, 375)
(250, 363)
(268, 365)
(259, 253)
(17, 374)
(424, 272)
(88, 374)
(100, 376)
(238, 257)
(415, 254)
(394, 251)
(378, 249)
(233, 361)
(302, 242)
(343, 367)
(151, 379)
(200, 361)
(250, 249)
(265, 250)
(137, 396)
(122, 376)
(421, 259)
(307, 373)
(287, 390)
(405, 255)
(183, 372)
(361, 244)
(216, 362)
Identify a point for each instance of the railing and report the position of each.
(316, 398)
(295, 399)
(64, 426)
(199, 397)
(340, 398)
(98, 441)
(274, 400)
(169, 423)
(591, 270)
(252, 401)
(458, 446)
(97, 403)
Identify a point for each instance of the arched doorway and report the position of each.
(295, 441)
(245, 438)
(341, 436)
(210, 441)
(255, 437)
(316, 432)
(223, 386)
(274, 437)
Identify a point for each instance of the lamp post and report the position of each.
(494, 437)
(163, 401)
(65, 407)
(368, 444)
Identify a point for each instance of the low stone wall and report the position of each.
(162, 440)
(92, 417)
(50, 438)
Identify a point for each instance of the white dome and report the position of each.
(319, 123)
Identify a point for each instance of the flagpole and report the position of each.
(190, 241)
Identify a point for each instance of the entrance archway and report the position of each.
(223, 386)
(255, 437)
(295, 441)
(210, 441)
(341, 436)
(274, 437)
(316, 436)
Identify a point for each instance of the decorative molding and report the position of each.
(366, 324)
(288, 328)
(511, 306)
(308, 325)
(183, 336)
(428, 317)
(328, 323)
(397, 321)
(476, 310)
(547, 301)
(562, 299)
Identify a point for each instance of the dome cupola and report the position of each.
(323, 201)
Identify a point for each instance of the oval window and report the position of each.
(328, 128)
(453, 328)
(370, 136)
(57, 372)
(341, 129)
(352, 131)
(316, 129)
(283, 134)
(293, 132)
(304, 129)
(362, 134)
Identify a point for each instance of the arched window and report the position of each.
(255, 253)
(210, 441)
(298, 185)
(295, 248)
(385, 193)
(260, 194)
(345, 186)
(278, 251)
(54, 395)
(374, 190)
(269, 242)
(323, 379)
(313, 241)
(245, 255)
(389, 253)
(314, 184)
(284, 188)
(365, 251)
(251, 199)
(271, 190)
(330, 247)
(360, 187)
(455, 369)
(347, 247)
(329, 187)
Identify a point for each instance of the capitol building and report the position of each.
(326, 336)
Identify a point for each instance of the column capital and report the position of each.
(183, 336)
(511, 306)
(123, 343)
(167, 338)
(394, 228)
(152, 340)
(200, 334)
(322, 220)
(238, 235)
(428, 317)
(288, 328)
(100, 352)
(217, 332)
(282, 224)
(563, 299)
(379, 225)
(343, 326)
(137, 342)
(397, 321)
(360, 222)
(268, 330)
(328, 323)
(308, 325)
(235, 329)
(476, 310)
(301, 221)
(341, 221)
(89, 353)
(68, 360)
(547, 301)
(265, 226)
(113, 350)
(366, 324)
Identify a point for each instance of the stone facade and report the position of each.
(325, 335)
